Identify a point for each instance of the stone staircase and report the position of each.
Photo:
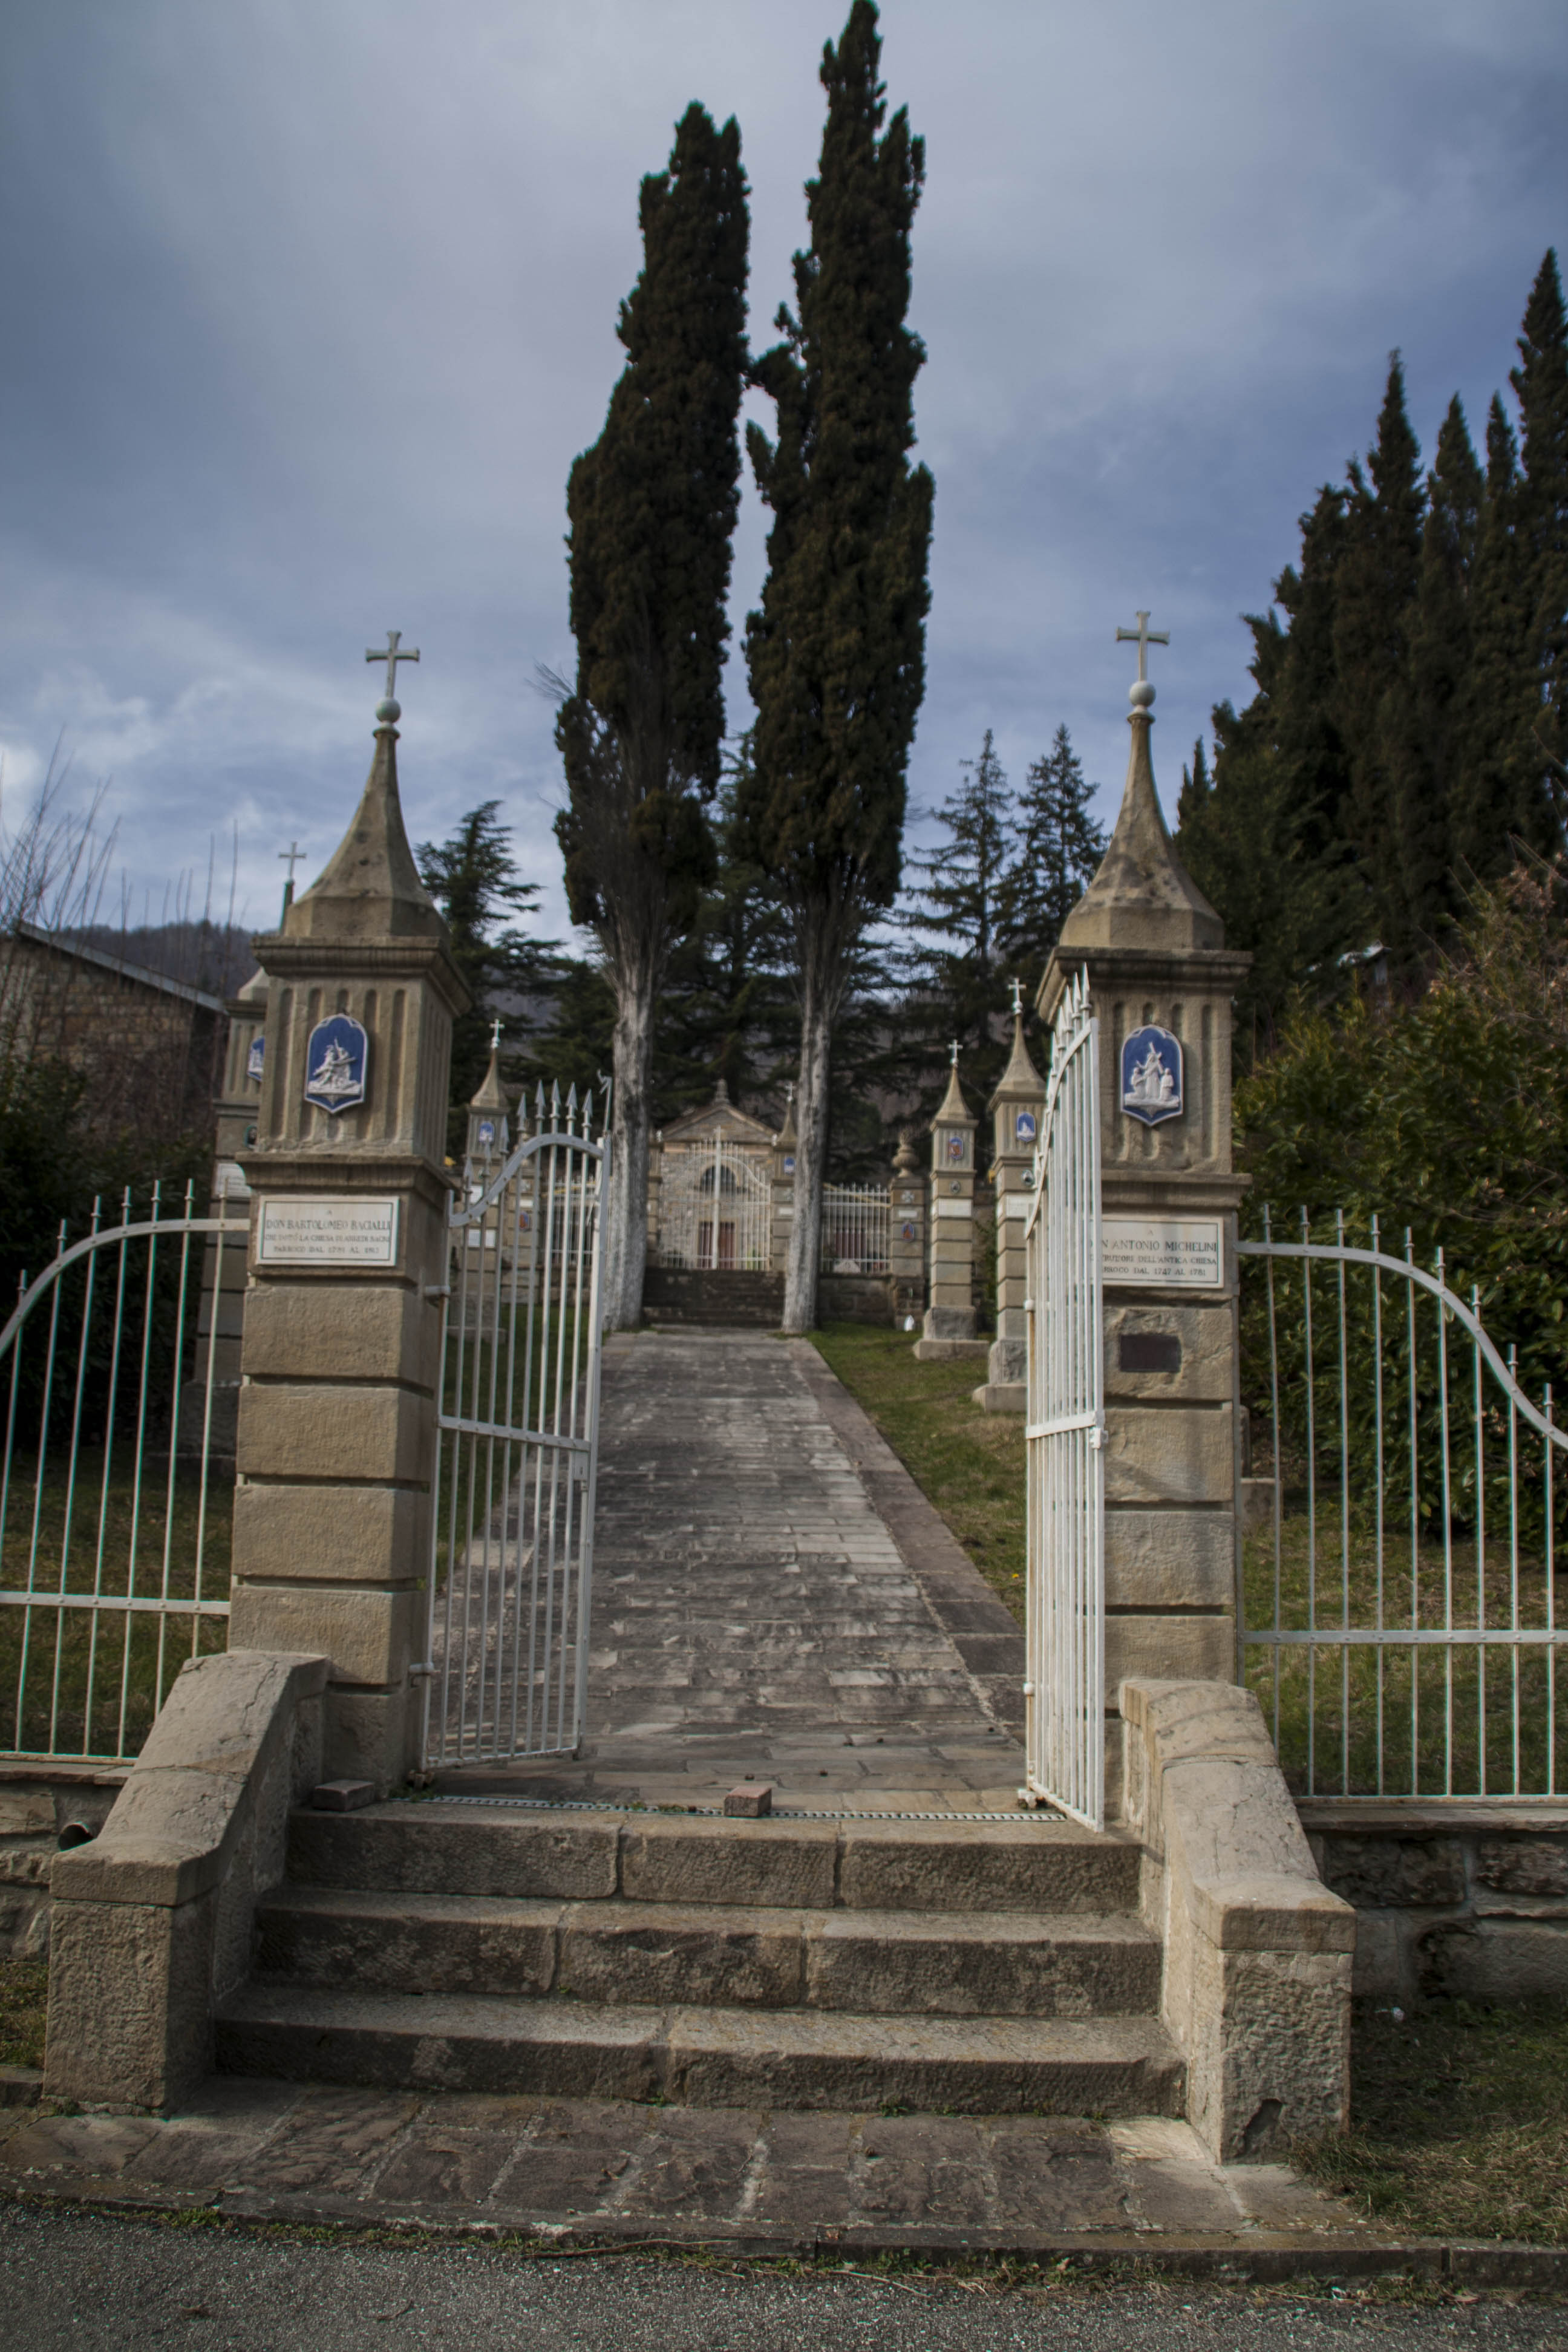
(979, 1967)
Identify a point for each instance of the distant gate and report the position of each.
(1064, 1692)
(511, 1555)
(715, 1209)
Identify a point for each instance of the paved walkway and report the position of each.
(616, 2172)
(773, 1597)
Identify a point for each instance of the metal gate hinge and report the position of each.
(1097, 1436)
(422, 1674)
(434, 1290)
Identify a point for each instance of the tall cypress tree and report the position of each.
(1374, 589)
(1059, 847)
(474, 879)
(1424, 730)
(836, 652)
(652, 507)
(1541, 385)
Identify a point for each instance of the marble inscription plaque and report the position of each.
(335, 1232)
(1177, 1253)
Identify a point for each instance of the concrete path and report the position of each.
(774, 1598)
(616, 2172)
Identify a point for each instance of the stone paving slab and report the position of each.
(617, 2169)
(774, 1598)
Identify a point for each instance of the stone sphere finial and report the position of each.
(1140, 694)
(389, 712)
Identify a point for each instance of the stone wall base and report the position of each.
(40, 1804)
(1453, 1900)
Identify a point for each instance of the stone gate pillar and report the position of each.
(1016, 1106)
(782, 1222)
(950, 1320)
(907, 1233)
(1160, 982)
(348, 1261)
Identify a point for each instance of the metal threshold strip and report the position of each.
(714, 1813)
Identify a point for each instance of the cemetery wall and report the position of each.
(39, 1804)
(1458, 1902)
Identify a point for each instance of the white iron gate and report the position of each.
(716, 1208)
(115, 1504)
(1065, 1693)
(857, 1220)
(1398, 1589)
(511, 1558)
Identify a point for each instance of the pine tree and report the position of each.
(474, 879)
(1059, 848)
(953, 975)
(1424, 739)
(836, 652)
(652, 507)
(1374, 591)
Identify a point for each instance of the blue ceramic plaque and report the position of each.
(1152, 1075)
(336, 1059)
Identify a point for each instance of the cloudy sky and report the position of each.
(307, 305)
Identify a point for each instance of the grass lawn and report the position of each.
(1460, 2122)
(24, 1988)
(969, 1465)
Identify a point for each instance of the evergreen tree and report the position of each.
(836, 652)
(652, 508)
(1374, 590)
(953, 971)
(474, 879)
(1059, 845)
(1424, 738)
(1541, 385)
(727, 1010)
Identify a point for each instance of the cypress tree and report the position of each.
(836, 652)
(1374, 589)
(1541, 385)
(1424, 732)
(652, 508)
(955, 979)
(1059, 847)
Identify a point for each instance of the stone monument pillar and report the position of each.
(490, 1124)
(1160, 982)
(1016, 1108)
(907, 1234)
(949, 1319)
(348, 1268)
(787, 1143)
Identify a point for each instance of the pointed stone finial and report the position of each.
(1020, 1077)
(954, 1108)
(371, 886)
(1141, 895)
(721, 1095)
(788, 1135)
(491, 1096)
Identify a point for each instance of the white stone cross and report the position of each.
(1017, 998)
(1143, 637)
(955, 1053)
(392, 653)
(495, 1036)
(293, 855)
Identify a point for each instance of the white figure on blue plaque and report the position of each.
(256, 1060)
(1152, 1075)
(335, 1061)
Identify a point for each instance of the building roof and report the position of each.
(720, 1116)
(137, 974)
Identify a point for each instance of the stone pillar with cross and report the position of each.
(1016, 1106)
(907, 1234)
(489, 1125)
(1160, 983)
(951, 1324)
(347, 1269)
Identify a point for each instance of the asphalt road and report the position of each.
(85, 2279)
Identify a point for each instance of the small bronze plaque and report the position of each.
(1148, 1351)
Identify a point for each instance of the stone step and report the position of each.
(704, 2057)
(886, 1963)
(1031, 1866)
